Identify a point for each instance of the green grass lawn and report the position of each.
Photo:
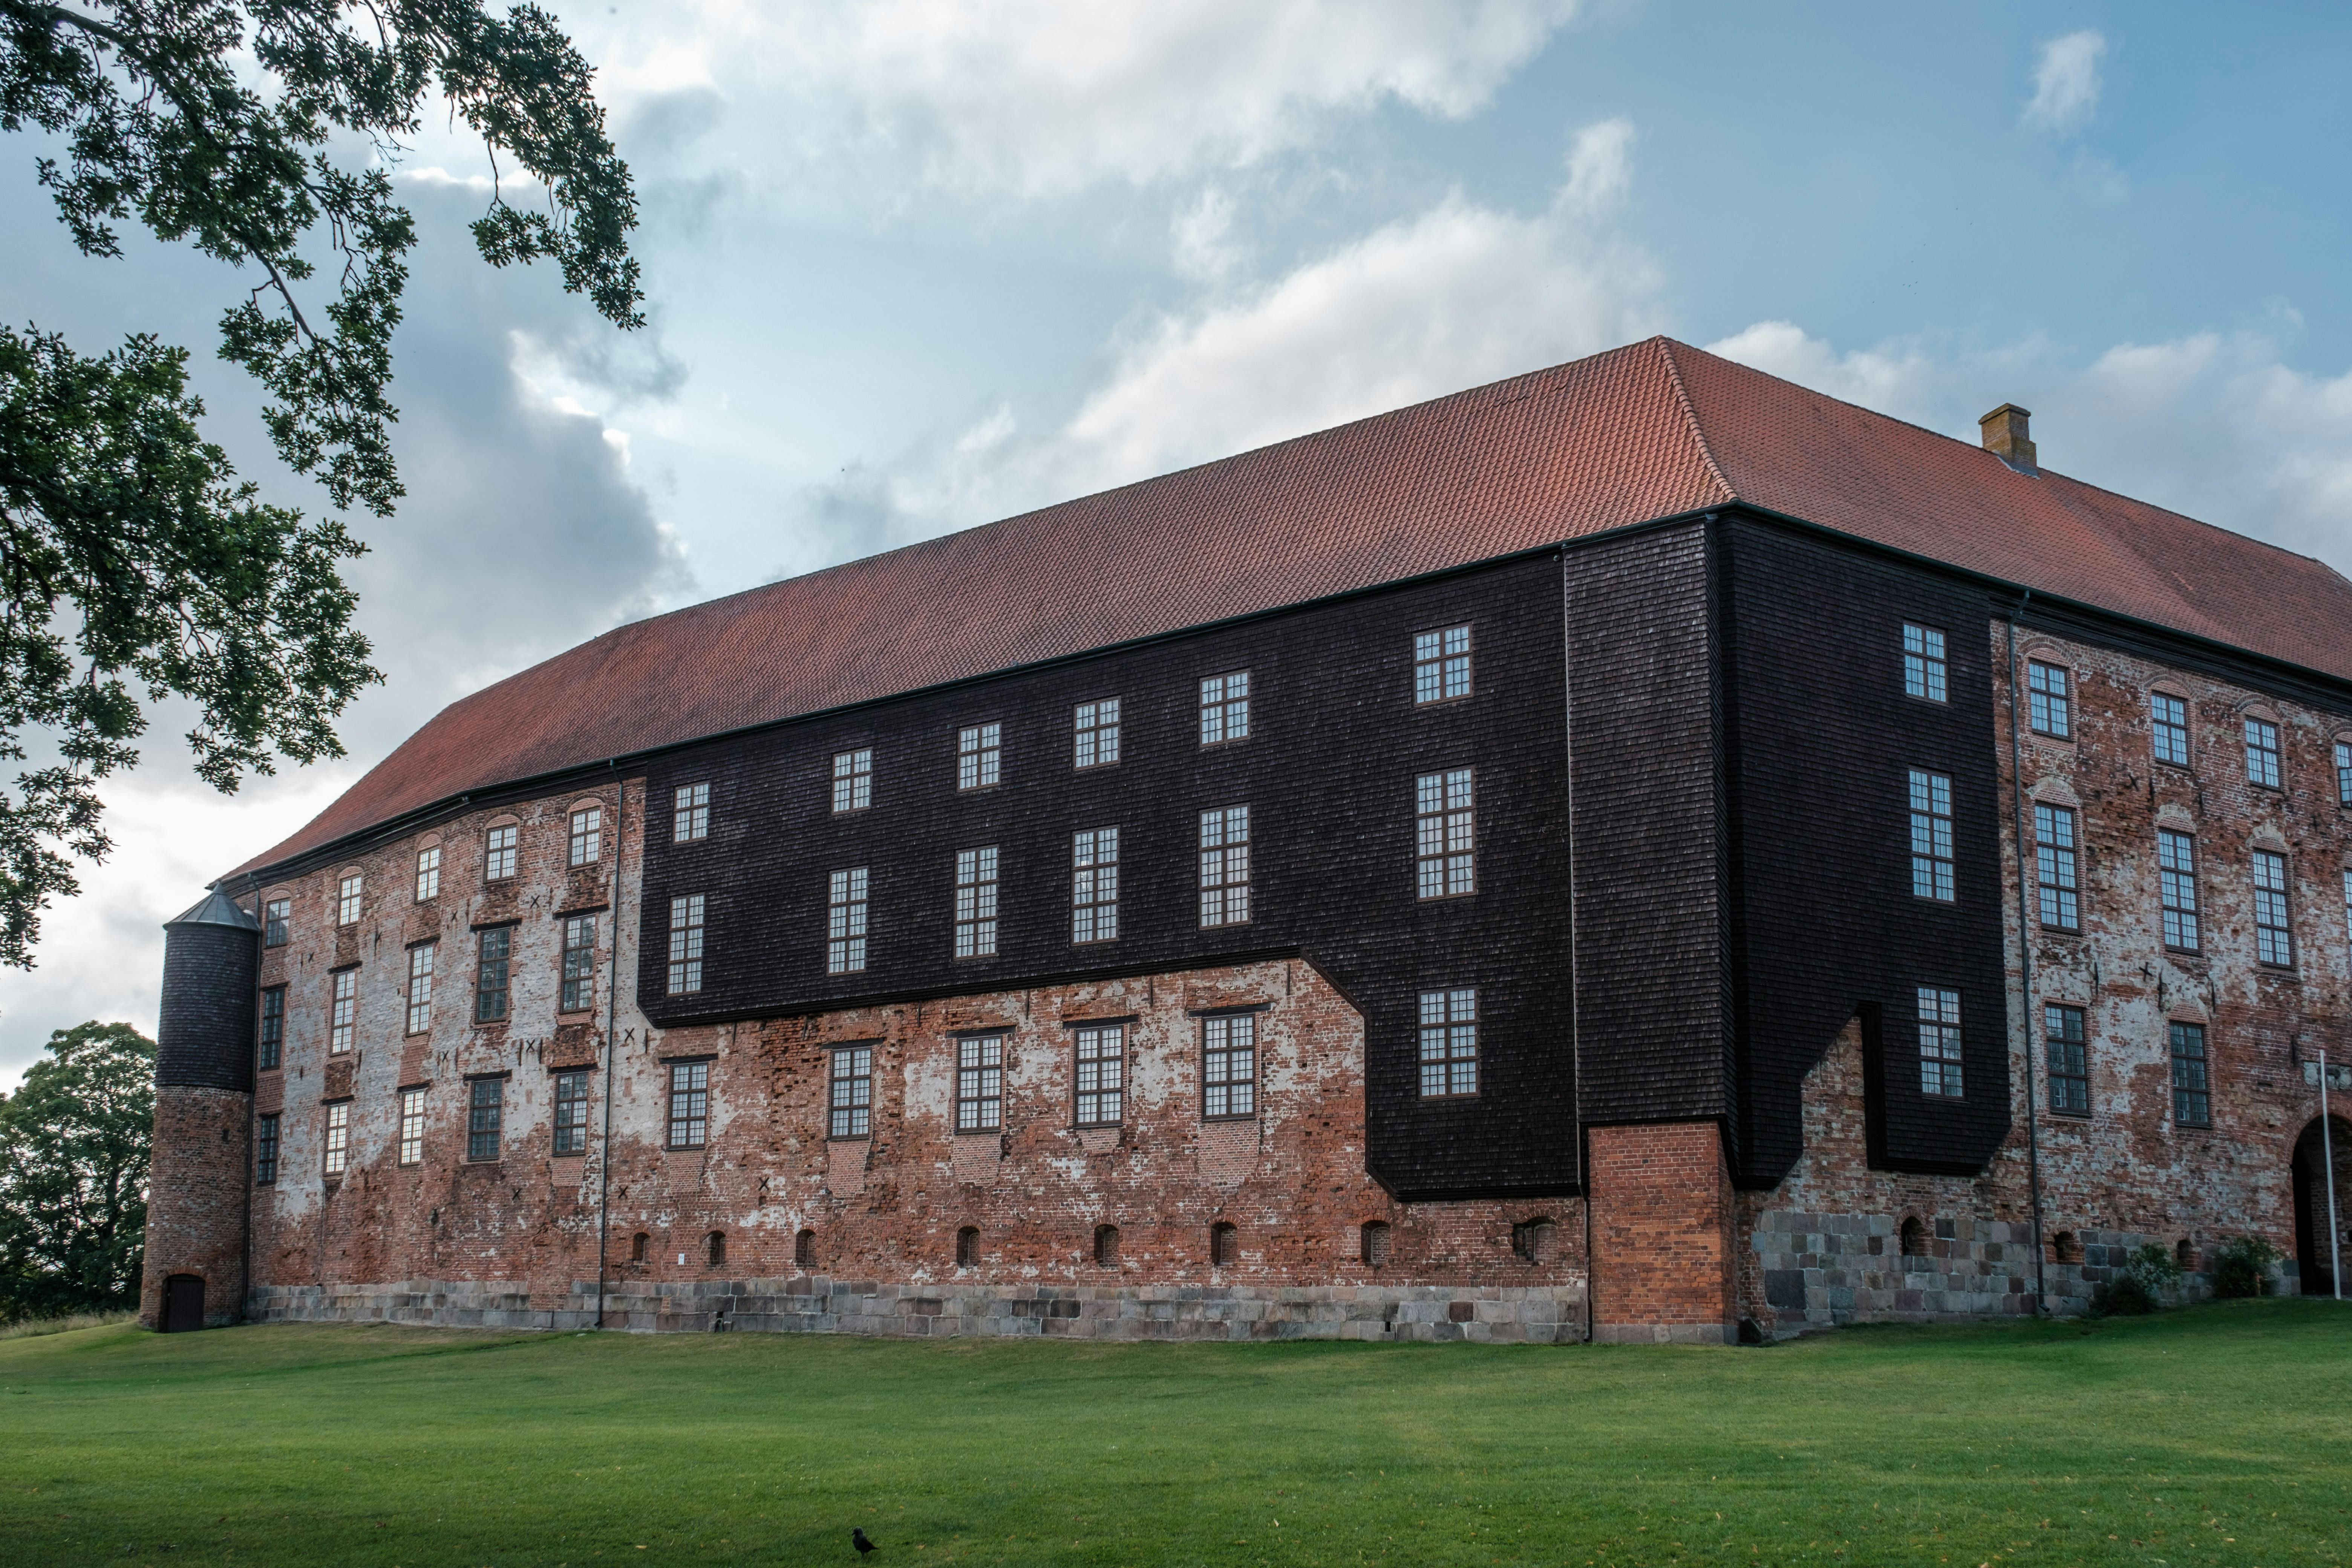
(2221, 1434)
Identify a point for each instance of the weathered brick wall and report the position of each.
(1663, 1244)
(196, 1187)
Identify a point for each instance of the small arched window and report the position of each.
(2065, 1248)
(804, 1249)
(716, 1248)
(1532, 1239)
(1224, 1246)
(2187, 1254)
(637, 1245)
(967, 1248)
(1374, 1244)
(1106, 1246)
(1915, 1237)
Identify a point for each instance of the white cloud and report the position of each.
(2067, 83)
(1206, 248)
(1900, 382)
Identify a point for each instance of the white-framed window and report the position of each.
(571, 1111)
(429, 874)
(1449, 1043)
(686, 943)
(1094, 885)
(1102, 1074)
(844, 922)
(499, 863)
(2047, 700)
(276, 915)
(1226, 865)
(980, 1083)
(853, 780)
(690, 814)
(2176, 875)
(2168, 728)
(2053, 858)
(980, 756)
(1440, 665)
(1931, 836)
(1226, 708)
(1229, 1066)
(1445, 836)
(2262, 752)
(587, 837)
(1939, 1041)
(2348, 905)
(420, 988)
(343, 1015)
(1097, 745)
(412, 1126)
(689, 1104)
(851, 1101)
(579, 964)
(2344, 773)
(2273, 933)
(338, 1149)
(1925, 672)
(976, 902)
(347, 900)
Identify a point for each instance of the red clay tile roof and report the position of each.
(1645, 431)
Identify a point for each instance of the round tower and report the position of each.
(199, 1185)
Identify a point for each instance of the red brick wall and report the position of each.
(1662, 1233)
(195, 1215)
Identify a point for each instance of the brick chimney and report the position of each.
(2005, 437)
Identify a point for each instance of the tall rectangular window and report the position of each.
(2168, 720)
(2046, 699)
(853, 780)
(2348, 905)
(845, 923)
(2343, 774)
(347, 900)
(1445, 834)
(428, 875)
(579, 962)
(344, 1010)
(336, 1153)
(686, 943)
(1440, 665)
(420, 988)
(587, 840)
(690, 814)
(689, 1104)
(2192, 1104)
(975, 903)
(1939, 1041)
(1931, 835)
(498, 861)
(1097, 733)
(1226, 865)
(2053, 860)
(2176, 875)
(1229, 1066)
(1449, 1043)
(1094, 885)
(2262, 754)
(980, 756)
(1102, 1074)
(980, 1083)
(1226, 708)
(2274, 934)
(273, 1027)
(1925, 673)
(490, 960)
(485, 1117)
(571, 1112)
(851, 1100)
(275, 916)
(412, 1126)
(2070, 1068)
(265, 1148)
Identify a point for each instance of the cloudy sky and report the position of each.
(916, 264)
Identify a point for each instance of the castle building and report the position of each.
(1642, 850)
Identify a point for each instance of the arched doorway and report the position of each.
(184, 1303)
(2311, 1205)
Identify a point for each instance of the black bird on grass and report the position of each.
(857, 1539)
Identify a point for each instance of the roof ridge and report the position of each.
(1690, 417)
